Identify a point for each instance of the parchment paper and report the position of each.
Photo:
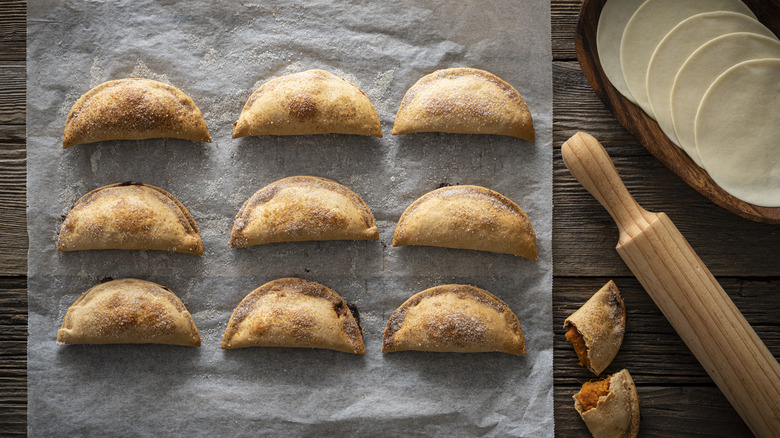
(218, 53)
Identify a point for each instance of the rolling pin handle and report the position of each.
(590, 164)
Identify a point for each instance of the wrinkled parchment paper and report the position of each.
(218, 53)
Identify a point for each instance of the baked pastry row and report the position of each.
(299, 208)
(292, 312)
(455, 100)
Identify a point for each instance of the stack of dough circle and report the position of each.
(649, 25)
(675, 48)
(707, 72)
(738, 131)
(702, 68)
(612, 22)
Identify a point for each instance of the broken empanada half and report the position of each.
(301, 208)
(454, 318)
(467, 217)
(133, 109)
(596, 329)
(610, 407)
(464, 101)
(309, 102)
(129, 216)
(292, 312)
(128, 311)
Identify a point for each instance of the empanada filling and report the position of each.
(574, 336)
(355, 314)
(590, 393)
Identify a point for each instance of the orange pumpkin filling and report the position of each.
(573, 336)
(590, 393)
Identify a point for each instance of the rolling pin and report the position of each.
(685, 290)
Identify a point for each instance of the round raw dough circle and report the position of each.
(612, 23)
(738, 131)
(702, 68)
(675, 48)
(649, 25)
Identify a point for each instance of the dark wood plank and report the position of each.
(584, 235)
(647, 131)
(13, 164)
(652, 351)
(564, 22)
(665, 412)
(13, 224)
(13, 356)
(13, 31)
(13, 218)
(12, 98)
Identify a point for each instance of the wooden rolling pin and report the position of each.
(685, 291)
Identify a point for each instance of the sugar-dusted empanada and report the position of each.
(467, 217)
(133, 109)
(610, 407)
(464, 101)
(129, 216)
(292, 312)
(454, 318)
(300, 208)
(310, 102)
(128, 311)
(596, 329)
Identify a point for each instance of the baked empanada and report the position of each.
(310, 102)
(301, 208)
(610, 407)
(292, 312)
(454, 318)
(128, 311)
(464, 101)
(596, 329)
(129, 216)
(467, 217)
(133, 109)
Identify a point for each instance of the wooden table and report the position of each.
(676, 395)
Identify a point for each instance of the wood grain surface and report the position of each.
(645, 128)
(676, 395)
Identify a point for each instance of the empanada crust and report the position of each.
(454, 318)
(303, 208)
(467, 217)
(133, 109)
(309, 102)
(129, 216)
(617, 414)
(601, 322)
(292, 312)
(128, 311)
(464, 101)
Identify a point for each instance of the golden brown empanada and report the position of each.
(467, 217)
(300, 208)
(454, 318)
(464, 101)
(129, 216)
(310, 102)
(610, 407)
(292, 312)
(133, 109)
(596, 329)
(128, 311)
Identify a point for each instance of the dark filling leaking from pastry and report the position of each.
(355, 314)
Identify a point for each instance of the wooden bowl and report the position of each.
(646, 130)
